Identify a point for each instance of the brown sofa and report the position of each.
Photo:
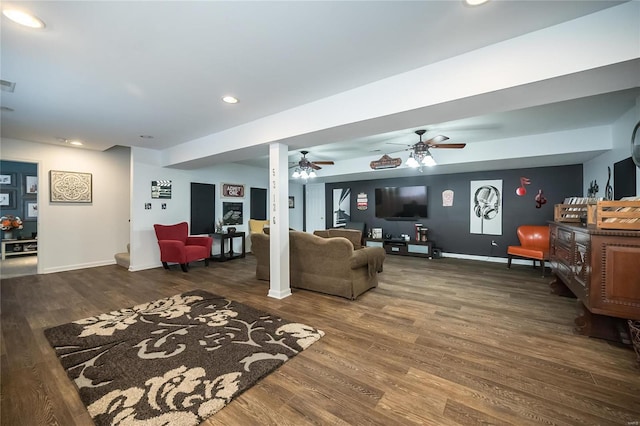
(325, 265)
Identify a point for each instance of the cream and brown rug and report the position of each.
(173, 361)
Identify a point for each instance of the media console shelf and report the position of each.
(18, 247)
(402, 247)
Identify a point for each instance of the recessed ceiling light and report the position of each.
(23, 18)
(475, 2)
(230, 100)
(76, 143)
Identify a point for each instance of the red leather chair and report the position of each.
(534, 244)
(177, 246)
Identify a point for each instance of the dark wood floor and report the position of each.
(439, 342)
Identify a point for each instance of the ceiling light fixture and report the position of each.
(475, 2)
(420, 156)
(305, 169)
(75, 143)
(23, 18)
(230, 100)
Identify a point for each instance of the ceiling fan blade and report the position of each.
(314, 167)
(448, 145)
(436, 139)
(326, 163)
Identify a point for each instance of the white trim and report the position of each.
(489, 258)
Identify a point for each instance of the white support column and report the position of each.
(279, 286)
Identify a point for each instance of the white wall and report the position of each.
(146, 168)
(620, 134)
(75, 236)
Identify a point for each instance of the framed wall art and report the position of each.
(30, 210)
(486, 207)
(70, 187)
(231, 213)
(292, 202)
(8, 179)
(161, 189)
(7, 199)
(30, 185)
(232, 190)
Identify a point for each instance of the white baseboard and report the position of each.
(76, 267)
(488, 258)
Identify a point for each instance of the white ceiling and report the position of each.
(109, 72)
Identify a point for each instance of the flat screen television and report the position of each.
(402, 202)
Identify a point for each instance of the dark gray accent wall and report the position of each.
(19, 170)
(449, 226)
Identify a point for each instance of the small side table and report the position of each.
(223, 256)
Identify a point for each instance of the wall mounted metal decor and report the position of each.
(70, 187)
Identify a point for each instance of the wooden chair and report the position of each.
(177, 246)
(534, 244)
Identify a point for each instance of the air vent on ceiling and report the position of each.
(7, 86)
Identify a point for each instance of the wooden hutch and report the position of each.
(601, 267)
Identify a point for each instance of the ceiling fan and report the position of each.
(420, 155)
(306, 169)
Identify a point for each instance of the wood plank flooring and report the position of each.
(439, 342)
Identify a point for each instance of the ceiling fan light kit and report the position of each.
(420, 154)
(307, 169)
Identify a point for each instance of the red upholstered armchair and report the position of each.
(177, 246)
(534, 244)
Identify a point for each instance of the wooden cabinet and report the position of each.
(601, 268)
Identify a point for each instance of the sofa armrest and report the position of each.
(359, 258)
(372, 257)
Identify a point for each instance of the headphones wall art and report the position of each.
(486, 203)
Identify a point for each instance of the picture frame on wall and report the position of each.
(292, 202)
(7, 179)
(7, 199)
(161, 189)
(232, 213)
(231, 190)
(70, 187)
(30, 210)
(30, 185)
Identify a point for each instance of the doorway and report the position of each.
(19, 185)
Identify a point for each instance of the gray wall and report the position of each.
(449, 226)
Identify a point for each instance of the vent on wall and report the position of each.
(7, 86)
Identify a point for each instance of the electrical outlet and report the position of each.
(493, 243)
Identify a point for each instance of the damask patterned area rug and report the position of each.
(173, 361)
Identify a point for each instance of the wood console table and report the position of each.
(230, 254)
(602, 269)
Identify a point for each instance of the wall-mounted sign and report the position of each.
(362, 201)
(160, 189)
(232, 190)
(385, 162)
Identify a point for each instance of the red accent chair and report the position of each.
(177, 246)
(534, 244)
